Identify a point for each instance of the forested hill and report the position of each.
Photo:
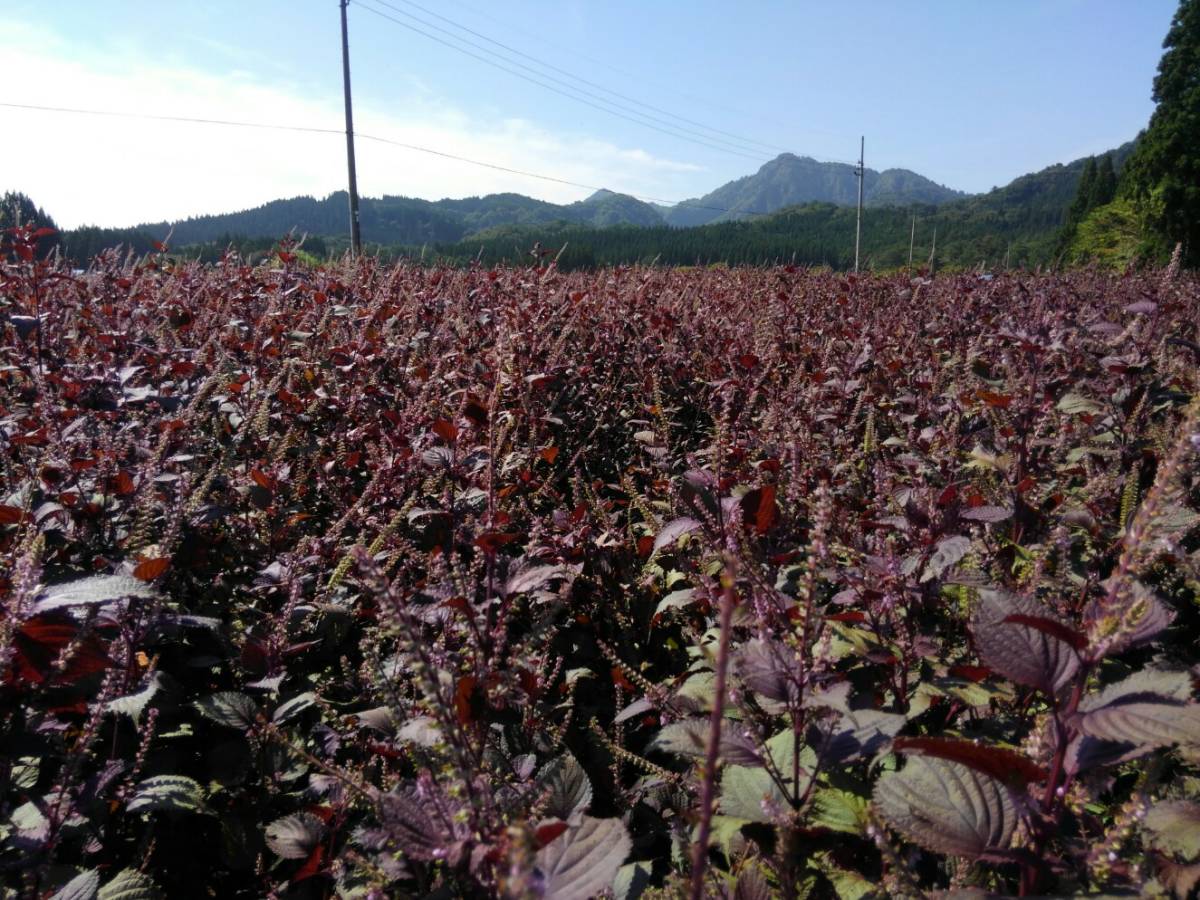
(405, 219)
(1020, 222)
(788, 180)
(391, 220)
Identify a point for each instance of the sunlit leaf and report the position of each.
(947, 807)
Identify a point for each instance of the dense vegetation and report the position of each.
(422, 581)
(1021, 224)
(1163, 180)
(16, 210)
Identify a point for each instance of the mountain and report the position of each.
(788, 180)
(405, 220)
(1018, 224)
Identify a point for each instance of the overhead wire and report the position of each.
(628, 115)
(750, 142)
(313, 129)
(706, 101)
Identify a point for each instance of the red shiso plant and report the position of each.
(361, 581)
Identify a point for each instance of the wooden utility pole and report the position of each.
(911, 238)
(933, 250)
(355, 232)
(858, 223)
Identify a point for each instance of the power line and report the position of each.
(628, 115)
(575, 53)
(739, 138)
(312, 129)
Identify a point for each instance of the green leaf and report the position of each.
(782, 748)
(1077, 404)
(1175, 826)
(570, 790)
(584, 860)
(857, 733)
(130, 884)
(675, 599)
(294, 707)
(747, 792)
(1148, 684)
(82, 887)
(229, 708)
(423, 731)
(689, 737)
(725, 832)
(947, 807)
(133, 705)
(840, 811)
(94, 590)
(1143, 723)
(295, 836)
(632, 880)
(752, 883)
(168, 793)
(949, 552)
(673, 531)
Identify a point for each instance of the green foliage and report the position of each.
(1163, 177)
(17, 209)
(1113, 235)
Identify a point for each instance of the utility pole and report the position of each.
(355, 233)
(911, 238)
(858, 223)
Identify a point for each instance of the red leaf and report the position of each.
(1000, 401)
(149, 569)
(970, 673)
(39, 642)
(476, 412)
(491, 541)
(1007, 766)
(946, 497)
(10, 515)
(759, 509)
(747, 360)
(852, 616)
(464, 699)
(446, 431)
(620, 680)
(312, 866)
(645, 545)
(123, 483)
(549, 454)
(262, 479)
(1048, 626)
(548, 832)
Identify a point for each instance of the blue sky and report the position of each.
(969, 93)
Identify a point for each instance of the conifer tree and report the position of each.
(1083, 194)
(1104, 188)
(1163, 175)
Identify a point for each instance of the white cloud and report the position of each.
(121, 171)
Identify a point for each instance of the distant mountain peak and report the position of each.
(790, 179)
